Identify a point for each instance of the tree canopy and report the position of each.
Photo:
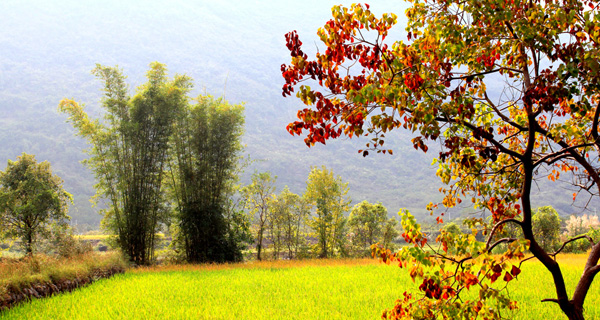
(367, 221)
(328, 194)
(442, 85)
(32, 199)
(546, 227)
(128, 152)
(205, 147)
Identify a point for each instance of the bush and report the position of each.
(63, 244)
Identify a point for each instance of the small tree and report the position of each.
(32, 199)
(327, 193)
(390, 233)
(546, 227)
(257, 199)
(452, 228)
(288, 211)
(366, 223)
(278, 213)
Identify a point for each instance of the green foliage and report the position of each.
(129, 152)
(205, 148)
(64, 244)
(366, 223)
(328, 194)
(32, 200)
(288, 213)
(452, 228)
(546, 227)
(257, 200)
(390, 233)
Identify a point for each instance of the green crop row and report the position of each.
(293, 290)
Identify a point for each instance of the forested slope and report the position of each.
(231, 48)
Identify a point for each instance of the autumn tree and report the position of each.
(328, 195)
(442, 86)
(32, 199)
(128, 153)
(257, 198)
(205, 147)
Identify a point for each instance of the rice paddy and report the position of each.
(321, 289)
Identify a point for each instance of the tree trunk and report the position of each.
(259, 246)
(572, 312)
(29, 247)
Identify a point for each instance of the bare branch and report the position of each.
(550, 300)
(496, 226)
(571, 240)
(499, 242)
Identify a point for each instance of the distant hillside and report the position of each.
(231, 48)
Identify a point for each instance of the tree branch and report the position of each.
(502, 115)
(571, 240)
(496, 226)
(499, 242)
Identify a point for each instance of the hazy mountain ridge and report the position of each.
(235, 48)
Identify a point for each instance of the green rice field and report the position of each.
(323, 289)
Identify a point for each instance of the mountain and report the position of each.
(230, 48)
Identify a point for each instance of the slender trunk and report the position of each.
(527, 160)
(29, 246)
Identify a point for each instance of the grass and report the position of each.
(21, 273)
(314, 289)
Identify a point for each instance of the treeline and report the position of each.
(313, 224)
(166, 162)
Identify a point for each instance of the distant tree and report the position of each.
(581, 227)
(546, 227)
(452, 228)
(239, 222)
(278, 213)
(297, 233)
(257, 197)
(204, 154)
(390, 233)
(32, 200)
(289, 211)
(578, 225)
(129, 152)
(366, 222)
(328, 194)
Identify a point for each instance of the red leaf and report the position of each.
(515, 271)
